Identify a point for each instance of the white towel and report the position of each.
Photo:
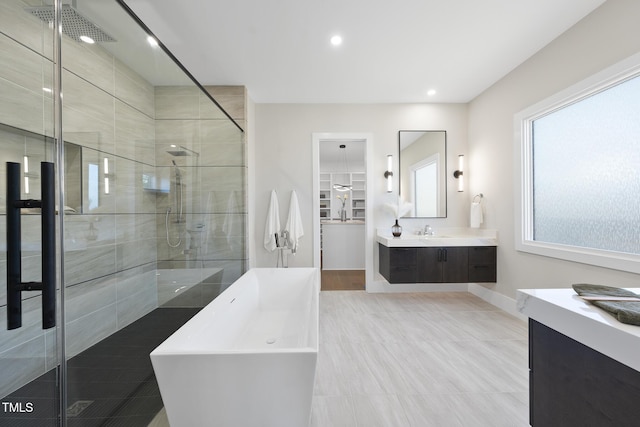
(293, 227)
(272, 227)
(476, 215)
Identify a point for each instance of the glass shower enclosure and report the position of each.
(122, 210)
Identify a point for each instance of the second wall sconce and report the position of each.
(459, 174)
(389, 173)
(107, 176)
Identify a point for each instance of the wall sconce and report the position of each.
(107, 176)
(459, 173)
(26, 174)
(389, 173)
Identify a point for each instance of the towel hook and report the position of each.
(479, 195)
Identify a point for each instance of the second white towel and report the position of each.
(293, 227)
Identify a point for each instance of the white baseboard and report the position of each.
(497, 299)
(380, 286)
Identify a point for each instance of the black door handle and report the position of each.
(15, 286)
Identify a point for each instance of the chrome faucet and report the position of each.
(428, 231)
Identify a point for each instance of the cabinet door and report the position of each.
(455, 265)
(430, 265)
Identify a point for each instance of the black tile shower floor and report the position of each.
(109, 384)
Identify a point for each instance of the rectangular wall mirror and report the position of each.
(423, 172)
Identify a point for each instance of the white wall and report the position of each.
(608, 35)
(283, 160)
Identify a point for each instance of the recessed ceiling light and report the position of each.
(152, 41)
(46, 89)
(336, 40)
(87, 39)
(431, 92)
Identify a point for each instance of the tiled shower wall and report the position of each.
(212, 168)
(112, 240)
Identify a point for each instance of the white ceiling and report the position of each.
(392, 51)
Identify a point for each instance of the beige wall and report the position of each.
(608, 35)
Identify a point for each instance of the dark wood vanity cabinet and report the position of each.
(437, 264)
(442, 265)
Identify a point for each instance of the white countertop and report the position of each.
(338, 222)
(564, 311)
(442, 238)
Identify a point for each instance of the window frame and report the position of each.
(523, 124)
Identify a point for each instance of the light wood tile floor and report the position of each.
(418, 360)
(429, 359)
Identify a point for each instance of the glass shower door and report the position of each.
(30, 327)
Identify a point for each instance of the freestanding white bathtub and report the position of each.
(249, 357)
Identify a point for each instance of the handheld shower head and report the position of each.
(178, 174)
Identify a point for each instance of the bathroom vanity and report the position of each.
(584, 367)
(451, 258)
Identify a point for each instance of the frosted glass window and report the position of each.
(586, 171)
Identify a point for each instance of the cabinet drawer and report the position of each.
(482, 255)
(482, 273)
(406, 274)
(403, 257)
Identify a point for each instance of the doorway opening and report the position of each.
(342, 230)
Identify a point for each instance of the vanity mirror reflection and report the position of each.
(423, 172)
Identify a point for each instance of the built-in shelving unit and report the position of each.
(358, 182)
(356, 201)
(325, 196)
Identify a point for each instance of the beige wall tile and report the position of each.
(93, 102)
(220, 131)
(177, 102)
(23, 67)
(132, 89)
(21, 107)
(90, 329)
(89, 62)
(134, 134)
(22, 26)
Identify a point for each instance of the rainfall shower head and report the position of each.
(74, 25)
(178, 153)
(183, 152)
